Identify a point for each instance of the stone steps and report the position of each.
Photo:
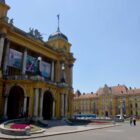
(51, 123)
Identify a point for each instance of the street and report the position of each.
(124, 132)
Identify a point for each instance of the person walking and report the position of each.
(134, 121)
(131, 120)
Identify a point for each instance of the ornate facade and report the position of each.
(35, 76)
(109, 101)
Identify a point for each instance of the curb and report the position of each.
(57, 133)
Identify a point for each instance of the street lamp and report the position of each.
(63, 73)
(110, 106)
(39, 65)
(63, 67)
(121, 110)
(39, 58)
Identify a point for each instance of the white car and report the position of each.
(119, 118)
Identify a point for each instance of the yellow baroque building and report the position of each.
(109, 101)
(35, 76)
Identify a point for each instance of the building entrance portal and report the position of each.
(47, 106)
(106, 113)
(15, 102)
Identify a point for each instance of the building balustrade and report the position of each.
(26, 77)
(15, 77)
(33, 78)
(62, 84)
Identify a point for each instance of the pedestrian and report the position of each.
(130, 120)
(134, 121)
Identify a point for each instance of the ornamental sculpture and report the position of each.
(2, 1)
(35, 33)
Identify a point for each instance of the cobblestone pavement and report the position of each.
(121, 132)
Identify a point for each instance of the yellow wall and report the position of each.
(103, 100)
(56, 51)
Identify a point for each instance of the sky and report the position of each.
(105, 37)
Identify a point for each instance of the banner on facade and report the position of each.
(31, 64)
(45, 69)
(15, 58)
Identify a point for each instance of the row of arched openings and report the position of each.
(16, 104)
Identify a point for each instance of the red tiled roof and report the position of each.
(88, 95)
(100, 91)
(117, 90)
(134, 91)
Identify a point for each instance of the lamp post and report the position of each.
(63, 73)
(37, 72)
(121, 110)
(38, 69)
(111, 107)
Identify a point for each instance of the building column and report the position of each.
(127, 106)
(41, 106)
(62, 105)
(5, 107)
(121, 110)
(114, 105)
(25, 105)
(6, 57)
(2, 38)
(24, 61)
(36, 103)
(71, 74)
(57, 71)
(52, 72)
(66, 104)
(53, 115)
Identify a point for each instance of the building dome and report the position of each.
(57, 35)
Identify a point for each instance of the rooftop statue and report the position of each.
(2, 1)
(35, 33)
(11, 21)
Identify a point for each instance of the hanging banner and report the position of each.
(31, 64)
(45, 69)
(15, 59)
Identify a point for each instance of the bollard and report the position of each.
(114, 122)
(27, 130)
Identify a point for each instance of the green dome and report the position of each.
(57, 35)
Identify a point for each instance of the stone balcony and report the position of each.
(35, 78)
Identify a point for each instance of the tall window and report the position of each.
(136, 105)
(94, 108)
(124, 107)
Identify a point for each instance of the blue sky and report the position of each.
(105, 36)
